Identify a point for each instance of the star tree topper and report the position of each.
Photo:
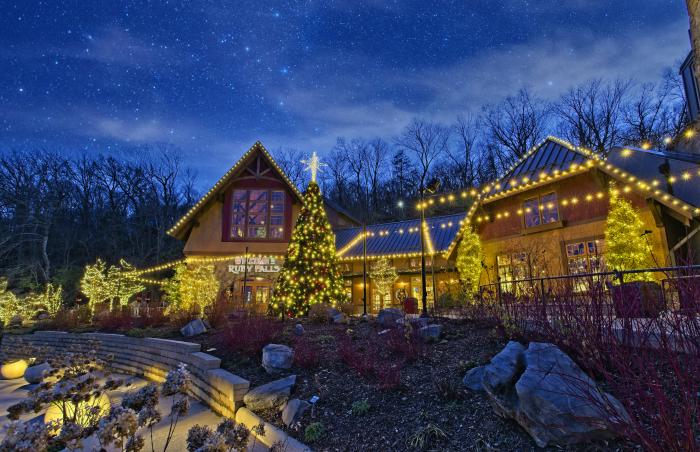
(314, 165)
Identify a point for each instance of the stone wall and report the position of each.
(150, 358)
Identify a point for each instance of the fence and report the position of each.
(636, 293)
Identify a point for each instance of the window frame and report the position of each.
(540, 210)
(229, 213)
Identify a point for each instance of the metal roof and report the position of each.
(550, 155)
(675, 173)
(400, 237)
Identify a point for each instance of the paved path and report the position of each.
(12, 391)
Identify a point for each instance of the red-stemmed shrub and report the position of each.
(218, 313)
(307, 354)
(117, 320)
(652, 365)
(248, 334)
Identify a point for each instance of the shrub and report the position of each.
(250, 333)
(426, 437)
(69, 319)
(360, 407)
(651, 365)
(117, 320)
(314, 432)
(320, 313)
(447, 388)
(373, 359)
(306, 353)
(217, 313)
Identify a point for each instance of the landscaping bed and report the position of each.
(428, 408)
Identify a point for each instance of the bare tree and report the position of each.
(591, 114)
(426, 141)
(466, 129)
(515, 125)
(289, 159)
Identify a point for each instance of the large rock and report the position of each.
(277, 358)
(500, 376)
(387, 317)
(560, 404)
(35, 374)
(548, 395)
(472, 380)
(293, 411)
(298, 329)
(270, 395)
(194, 328)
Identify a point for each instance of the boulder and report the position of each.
(430, 333)
(500, 376)
(15, 321)
(194, 328)
(472, 380)
(13, 369)
(293, 411)
(560, 404)
(339, 318)
(277, 358)
(546, 392)
(270, 395)
(298, 329)
(387, 317)
(35, 374)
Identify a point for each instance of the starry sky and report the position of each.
(208, 78)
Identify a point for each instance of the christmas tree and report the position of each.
(310, 273)
(627, 247)
(383, 276)
(469, 257)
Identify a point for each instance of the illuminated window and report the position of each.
(541, 210)
(257, 214)
(584, 257)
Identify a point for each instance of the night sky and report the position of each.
(211, 77)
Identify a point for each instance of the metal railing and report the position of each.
(668, 288)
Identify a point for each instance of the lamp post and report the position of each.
(431, 188)
(364, 270)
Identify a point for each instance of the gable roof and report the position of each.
(181, 227)
(676, 173)
(552, 156)
(399, 238)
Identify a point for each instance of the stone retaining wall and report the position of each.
(150, 358)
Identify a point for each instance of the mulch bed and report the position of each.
(396, 416)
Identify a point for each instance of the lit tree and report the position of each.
(94, 284)
(469, 258)
(123, 283)
(383, 276)
(310, 272)
(9, 304)
(194, 287)
(626, 245)
(51, 299)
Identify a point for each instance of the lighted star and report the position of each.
(314, 165)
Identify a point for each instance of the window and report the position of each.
(584, 257)
(541, 210)
(257, 214)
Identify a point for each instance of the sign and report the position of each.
(255, 265)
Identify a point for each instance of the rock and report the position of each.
(270, 395)
(194, 328)
(42, 316)
(500, 376)
(560, 404)
(15, 321)
(387, 317)
(35, 374)
(277, 358)
(430, 332)
(13, 369)
(419, 322)
(293, 411)
(339, 318)
(298, 329)
(548, 395)
(472, 380)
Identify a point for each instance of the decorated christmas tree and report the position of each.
(310, 273)
(627, 247)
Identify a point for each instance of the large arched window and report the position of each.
(257, 214)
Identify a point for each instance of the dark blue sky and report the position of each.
(211, 77)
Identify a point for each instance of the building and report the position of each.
(545, 217)
(243, 224)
